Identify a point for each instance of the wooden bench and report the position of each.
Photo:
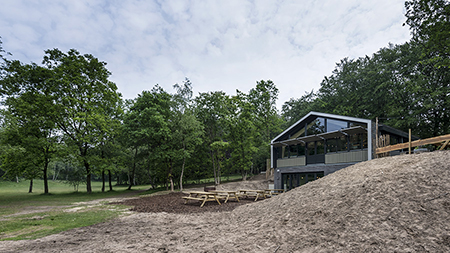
(201, 196)
(224, 194)
(252, 193)
(272, 192)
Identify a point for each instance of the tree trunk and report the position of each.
(103, 180)
(134, 169)
(88, 177)
(182, 172)
(110, 180)
(83, 154)
(46, 162)
(214, 167)
(150, 178)
(171, 176)
(30, 190)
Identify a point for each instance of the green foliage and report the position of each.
(430, 26)
(241, 133)
(394, 84)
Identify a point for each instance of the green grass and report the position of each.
(26, 215)
(46, 214)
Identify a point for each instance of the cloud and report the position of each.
(219, 45)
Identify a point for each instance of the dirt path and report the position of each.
(394, 204)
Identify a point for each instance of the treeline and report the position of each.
(64, 118)
(67, 118)
(405, 86)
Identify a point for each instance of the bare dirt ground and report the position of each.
(393, 204)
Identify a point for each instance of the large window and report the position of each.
(293, 150)
(311, 148)
(317, 126)
(331, 145)
(320, 147)
(342, 144)
(333, 125)
(299, 133)
(285, 152)
(364, 140)
(301, 149)
(355, 141)
(292, 180)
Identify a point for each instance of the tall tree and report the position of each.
(187, 130)
(267, 122)
(211, 110)
(28, 99)
(147, 130)
(84, 101)
(241, 133)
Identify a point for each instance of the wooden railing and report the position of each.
(445, 139)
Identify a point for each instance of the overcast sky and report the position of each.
(219, 45)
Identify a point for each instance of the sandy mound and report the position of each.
(394, 204)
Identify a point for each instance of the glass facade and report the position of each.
(331, 145)
(293, 151)
(320, 147)
(355, 141)
(311, 148)
(321, 125)
(317, 126)
(292, 180)
(342, 144)
(301, 149)
(334, 125)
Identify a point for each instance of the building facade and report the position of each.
(320, 144)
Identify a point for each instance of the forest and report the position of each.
(64, 120)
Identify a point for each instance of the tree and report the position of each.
(146, 128)
(186, 128)
(267, 122)
(294, 109)
(219, 149)
(28, 101)
(241, 133)
(211, 110)
(263, 99)
(430, 27)
(85, 103)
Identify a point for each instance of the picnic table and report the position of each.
(201, 196)
(272, 192)
(252, 193)
(227, 194)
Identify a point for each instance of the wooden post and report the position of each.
(376, 133)
(409, 148)
(376, 137)
(445, 144)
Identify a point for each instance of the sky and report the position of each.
(219, 45)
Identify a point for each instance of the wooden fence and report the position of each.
(443, 139)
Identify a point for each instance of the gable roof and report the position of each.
(325, 115)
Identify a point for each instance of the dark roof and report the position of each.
(394, 131)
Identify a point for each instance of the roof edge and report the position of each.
(321, 114)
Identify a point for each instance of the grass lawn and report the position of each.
(26, 215)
